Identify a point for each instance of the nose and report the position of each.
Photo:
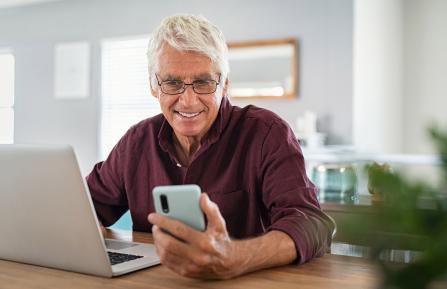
(188, 97)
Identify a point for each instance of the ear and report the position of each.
(153, 87)
(226, 86)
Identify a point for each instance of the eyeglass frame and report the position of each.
(185, 84)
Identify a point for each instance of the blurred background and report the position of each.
(371, 76)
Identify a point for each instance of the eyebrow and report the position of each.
(195, 77)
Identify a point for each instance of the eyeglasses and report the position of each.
(200, 86)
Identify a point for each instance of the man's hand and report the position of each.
(103, 230)
(210, 254)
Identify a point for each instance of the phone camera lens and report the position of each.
(164, 203)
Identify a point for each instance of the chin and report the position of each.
(189, 132)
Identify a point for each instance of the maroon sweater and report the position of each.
(249, 163)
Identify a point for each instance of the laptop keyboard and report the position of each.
(117, 258)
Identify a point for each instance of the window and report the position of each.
(126, 97)
(6, 98)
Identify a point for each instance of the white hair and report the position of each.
(186, 32)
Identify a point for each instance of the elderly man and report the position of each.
(261, 209)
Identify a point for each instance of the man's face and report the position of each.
(190, 114)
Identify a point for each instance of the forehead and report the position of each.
(184, 64)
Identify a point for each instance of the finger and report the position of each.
(165, 241)
(184, 269)
(174, 227)
(167, 257)
(211, 210)
(103, 231)
(170, 249)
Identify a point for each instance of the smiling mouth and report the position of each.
(188, 114)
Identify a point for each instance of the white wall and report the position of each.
(425, 66)
(322, 27)
(400, 74)
(377, 112)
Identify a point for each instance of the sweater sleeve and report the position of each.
(106, 186)
(290, 196)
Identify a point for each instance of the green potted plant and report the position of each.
(408, 215)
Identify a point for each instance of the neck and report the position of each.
(186, 147)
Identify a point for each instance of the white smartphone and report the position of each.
(180, 202)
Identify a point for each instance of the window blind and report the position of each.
(126, 97)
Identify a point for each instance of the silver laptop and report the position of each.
(48, 219)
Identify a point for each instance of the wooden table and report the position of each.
(329, 271)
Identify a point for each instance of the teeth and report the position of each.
(188, 114)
